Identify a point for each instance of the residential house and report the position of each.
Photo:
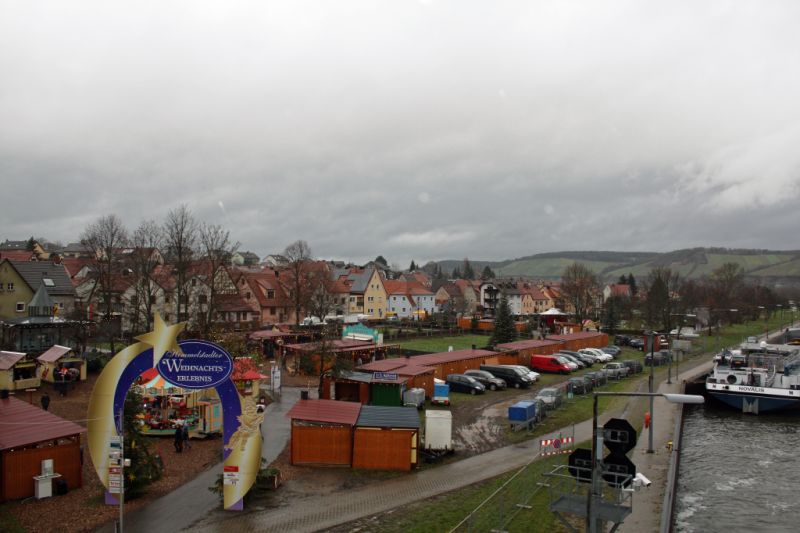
(418, 276)
(509, 291)
(266, 295)
(448, 297)
(470, 292)
(622, 290)
(372, 293)
(20, 279)
(409, 299)
(75, 250)
(489, 298)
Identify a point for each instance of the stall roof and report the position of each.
(336, 345)
(448, 357)
(272, 334)
(528, 343)
(576, 336)
(22, 424)
(9, 359)
(332, 411)
(399, 365)
(55, 353)
(368, 377)
(388, 417)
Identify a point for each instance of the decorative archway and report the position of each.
(190, 364)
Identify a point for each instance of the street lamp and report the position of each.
(594, 493)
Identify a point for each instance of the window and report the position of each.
(272, 311)
(271, 294)
(10, 286)
(370, 299)
(20, 307)
(194, 282)
(48, 282)
(202, 299)
(247, 295)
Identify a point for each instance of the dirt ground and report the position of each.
(59, 512)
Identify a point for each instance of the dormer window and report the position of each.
(48, 282)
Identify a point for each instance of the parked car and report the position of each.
(659, 358)
(613, 350)
(549, 363)
(578, 363)
(599, 356)
(637, 344)
(621, 340)
(463, 383)
(577, 385)
(634, 366)
(552, 397)
(588, 360)
(598, 377)
(533, 375)
(514, 377)
(616, 370)
(486, 379)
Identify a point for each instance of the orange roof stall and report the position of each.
(386, 438)
(322, 432)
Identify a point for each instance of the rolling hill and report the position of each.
(691, 263)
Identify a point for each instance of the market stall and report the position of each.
(166, 406)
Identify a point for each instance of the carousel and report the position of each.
(167, 406)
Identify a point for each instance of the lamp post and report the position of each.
(592, 497)
(650, 391)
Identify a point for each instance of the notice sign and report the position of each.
(230, 475)
(384, 376)
(200, 365)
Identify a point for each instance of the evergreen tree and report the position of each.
(456, 274)
(504, 330)
(632, 283)
(145, 466)
(31, 244)
(412, 267)
(466, 270)
(623, 280)
(487, 273)
(381, 261)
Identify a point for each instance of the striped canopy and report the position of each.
(152, 382)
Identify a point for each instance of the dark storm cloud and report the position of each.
(425, 130)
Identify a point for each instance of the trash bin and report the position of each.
(60, 486)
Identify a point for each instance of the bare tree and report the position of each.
(105, 237)
(180, 235)
(661, 287)
(321, 301)
(579, 286)
(298, 255)
(217, 249)
(147, 241)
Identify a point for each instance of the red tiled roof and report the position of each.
(74, 265)
(332, 411)
(448, 357)
(22, 424)
(244, 369)
(9, 359)
(233, 302)
(17, 255)
(55, 353)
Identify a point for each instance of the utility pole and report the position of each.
(650, 390)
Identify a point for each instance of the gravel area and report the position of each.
(83, 509)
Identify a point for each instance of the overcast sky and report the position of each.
(413, 129)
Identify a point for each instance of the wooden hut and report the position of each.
(522, 350)
(17, 373)
(56, 358)
(417, 376)
(581, 339)
(455, 362)
(386, 438)
(322, 432)
(29, 436)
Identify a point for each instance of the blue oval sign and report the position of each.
(202, 365)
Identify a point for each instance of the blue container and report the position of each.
(441, 391)
(522, 411)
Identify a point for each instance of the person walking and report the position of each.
(186, 443)
(45, 401)
(178, 439)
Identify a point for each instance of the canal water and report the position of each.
(738, 472)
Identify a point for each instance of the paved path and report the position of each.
(317, 513)
(192, 501)
(647, 502)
